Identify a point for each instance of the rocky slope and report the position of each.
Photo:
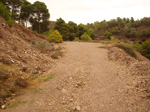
(19, 59)
(16, 47)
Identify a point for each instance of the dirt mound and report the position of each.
(116, 54)
(139, 69)
(136, 66)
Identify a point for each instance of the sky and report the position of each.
(90, 11)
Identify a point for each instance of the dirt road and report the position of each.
(86, 81)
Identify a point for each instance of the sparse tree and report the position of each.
(25, 11)
(40, 17)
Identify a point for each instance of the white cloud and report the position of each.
(89, 11)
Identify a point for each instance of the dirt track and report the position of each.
(86, 81)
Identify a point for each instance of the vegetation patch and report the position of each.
(38, 90)
(17, 103)
(115, 40)
(144, 49)
(21, 83)
(31, 101)
(55, 36)
(108, 35)
(57, 55)
(86, 37)
(76, 39)
(49, 77)
(44, 45)
(127, 48)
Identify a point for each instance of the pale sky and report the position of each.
(89, 11)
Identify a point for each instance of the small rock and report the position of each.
(13, 94)
(12, 61)
(70, 78)
(49, 104)
(77, 108)
(63, 102)
(24, 69)
(3, 107)
(71, 100)
(64, 91)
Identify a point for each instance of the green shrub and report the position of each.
(127, 48)
(5, 13)
(115, 30)
(76, 39)
(108, 35)
(86, 37)
(131, 33)
(55, 36)
(145, 51)
(106, 39)
(48, 32)
(115, 40)
(145, 32)
(10, 22)
(138, 47)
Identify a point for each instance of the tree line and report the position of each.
(127, 27)
(23, 12)
(71, 31)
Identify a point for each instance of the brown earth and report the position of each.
(88, 79)
(19, 59)
(16, 48)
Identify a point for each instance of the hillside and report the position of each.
(16, 47)
(20, 60)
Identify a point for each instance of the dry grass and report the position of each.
(44, 46)
(128, 49)
(49, 77)
(57, 55)
(10, 81)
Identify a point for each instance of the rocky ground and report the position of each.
(90, 79)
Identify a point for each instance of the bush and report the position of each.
(21, 83)
(131, 33)
(115, 30)
(144, 49)
(138, 47)
(115, 40)
(10, 23)
(44, 45)
(55, 36)
(145, 32)
(86, 37)
(76, 39)
(128, 49)
(108, 35)
(57, 55)
(47, 33)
